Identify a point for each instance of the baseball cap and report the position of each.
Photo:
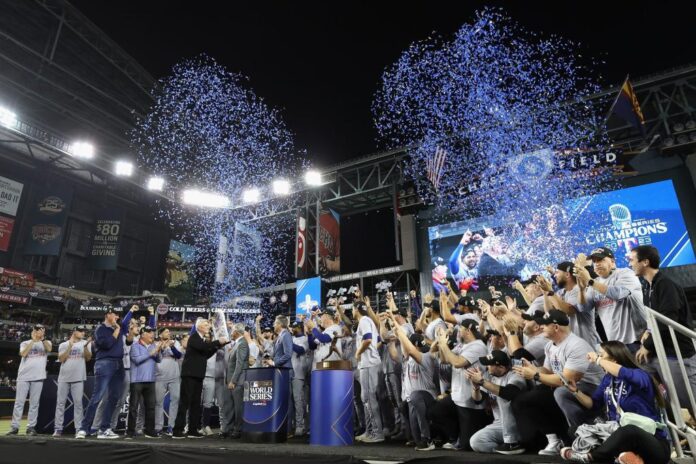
(113, 310)
(39, 327)
(532, 280)
(495, 358)
(538, 314)
(419, 342)
(470, 324)
(554, 316)
(146, 328)
(80, 328)
(438, 261)
(601, 253)
(565, 266)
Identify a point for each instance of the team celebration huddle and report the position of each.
(493, 375)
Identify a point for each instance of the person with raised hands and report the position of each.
(466, 353)
(501, 385)
(419, 389)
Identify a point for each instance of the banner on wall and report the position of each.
(301, 264)
(106, 240)
(6, 226)
(10, 194)
(329, 243)
(47, 216)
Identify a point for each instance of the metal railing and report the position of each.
(678, 428)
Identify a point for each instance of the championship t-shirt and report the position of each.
(33, 365)
(73, 369)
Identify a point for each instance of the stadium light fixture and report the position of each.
(7, 118)
(251, 195)
(281, 187)
(313, 178)
(205, 199)
(83, 150)
(123, 168)
(155, 184)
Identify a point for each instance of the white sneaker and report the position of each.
(372, 439)
(81, 435)
(552, 449)
(207, 431)
(451, 446)
(57, 434)
(361, 437)
(108, 434)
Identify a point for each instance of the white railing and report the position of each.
(679, 430)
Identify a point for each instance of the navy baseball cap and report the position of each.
(601, 253)
(554, 316)
(495, 358)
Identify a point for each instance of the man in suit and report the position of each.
(198, 350)
(238, 361)
(282, 356)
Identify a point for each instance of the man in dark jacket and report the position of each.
(198, 350)
(667, 298)
(238, 361)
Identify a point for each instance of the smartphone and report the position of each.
(517, 362)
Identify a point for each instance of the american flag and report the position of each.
(435, 166)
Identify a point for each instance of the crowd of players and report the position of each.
(484, 376)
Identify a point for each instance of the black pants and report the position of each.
(418, 406)
(145, 392)
(470, 422)
(443, 414)
(407, 420)
(189, 404)
(536, 411)
(632, 438)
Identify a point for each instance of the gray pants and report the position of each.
(369, 383)
(419, 403)
(76, 390)
(33, 389)
(300, 400)
(215, 391)
(488, 438)
(574, 412)
(161, 389)
(120, 402)
(235, 402)
(673, 365)
(394, 392)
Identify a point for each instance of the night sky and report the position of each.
(321, 62)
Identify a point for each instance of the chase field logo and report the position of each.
(535, 165)
(51, 206)
(44, 233)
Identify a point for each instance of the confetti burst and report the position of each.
(208, 130)
(504, 105)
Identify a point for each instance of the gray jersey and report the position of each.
(367, 331)
(300, 363)
(571, 354)
(33, 365)
(582, 323)
(536, 346)
(498, 403)
(461, 386)
(433, 327)
(419, 377)
(536, 305)
(168, 368)
(73, 369)
(621, 309)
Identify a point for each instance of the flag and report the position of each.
(627, 107)
(435, 165)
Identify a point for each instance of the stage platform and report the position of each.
(48, 450)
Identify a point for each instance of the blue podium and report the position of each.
(331, 404)
(266, 402)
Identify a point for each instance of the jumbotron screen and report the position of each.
(478, 253)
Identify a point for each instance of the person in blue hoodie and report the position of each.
(108, 371)
(144, 356)
(634, 390)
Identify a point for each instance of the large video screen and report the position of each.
(478, 253)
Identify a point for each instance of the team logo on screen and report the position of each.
(258, 391)
(51, 206)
